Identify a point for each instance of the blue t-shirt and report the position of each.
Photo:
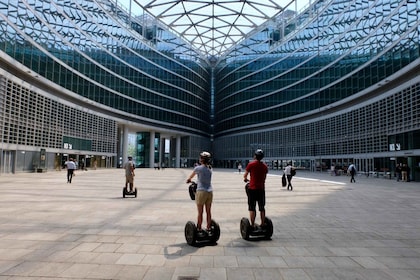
(204, 178)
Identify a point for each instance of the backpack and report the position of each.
(283, 180)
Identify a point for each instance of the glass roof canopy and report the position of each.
(212, 26)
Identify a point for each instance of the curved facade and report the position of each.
(336, 83)
(92, 54)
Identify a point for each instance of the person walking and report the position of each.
(129, 174)
(239, 168)
(204, 193)
(352, 170)
(398, 170)
(290, 172)
(256, 191)
(71, 166)
(404, 172)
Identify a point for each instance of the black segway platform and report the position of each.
(203, 237)
(127, 193)
(258, 233)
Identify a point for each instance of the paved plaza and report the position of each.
(326, 228)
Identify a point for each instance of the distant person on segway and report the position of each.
(204, 193)
(256, 191)
(129, 175)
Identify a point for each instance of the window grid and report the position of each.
(29, 118)
(360, 131)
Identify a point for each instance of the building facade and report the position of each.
(337, 83)
(78, 77)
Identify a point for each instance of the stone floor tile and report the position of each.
(180, 261)
(130, 259)
(153, 260)
(186, 272)
(161, 273)
(79, 270)
(369, 262)
(213, 273)
(202, 261)
(225, 261)
(105, 271)
(344, 262)
(107, 258)
(131, 272)
(6, 265)
(294, 274)
(325, 229)
(249, 261)
(47, 269)
(273, 261)
(240, 273)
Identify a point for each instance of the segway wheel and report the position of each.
(268, 227)
(190, 233)
(135, 192)
(123, 192)
(215, 228)
(245, 228)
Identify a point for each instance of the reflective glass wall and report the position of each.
(98, 51)
(299, 64)
(327, 85)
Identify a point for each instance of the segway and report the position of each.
(192, 235)
(195, 237)
(258, 232)
(127, 193)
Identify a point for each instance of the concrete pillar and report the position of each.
(162, 151)
(152, 150)
(125, 144)
(178, 152)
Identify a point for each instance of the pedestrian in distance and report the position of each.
(398, 170)
(239, 168)
(71, 166)
(257, 170)
(404, 172)
(352, 170)
(290, 171)
(204, 193)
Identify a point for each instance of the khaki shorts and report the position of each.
(129, 179)
(203, 197)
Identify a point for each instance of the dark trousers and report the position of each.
(352, 180)
(289, 182)
(69, 175)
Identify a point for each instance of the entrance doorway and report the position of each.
(7, 162)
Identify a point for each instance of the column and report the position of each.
(152, 149)
(162, 151)
(178, 152)
(125, 144)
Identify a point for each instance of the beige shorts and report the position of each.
(129, 179)
(203, 197)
